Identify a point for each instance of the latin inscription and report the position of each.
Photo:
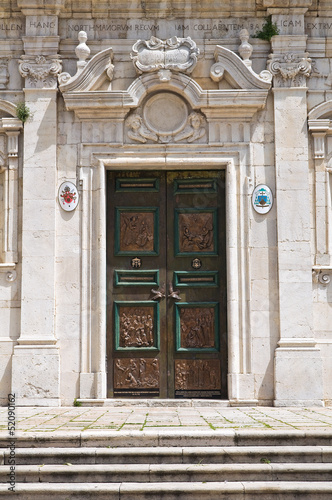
(12, 28)
(133, 28)
(199, 28)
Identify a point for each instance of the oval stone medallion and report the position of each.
(165, 113)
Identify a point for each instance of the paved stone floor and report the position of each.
(165, 417)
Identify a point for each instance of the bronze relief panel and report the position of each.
(195, 232)
(136, 326)
(136, 231)
(136, 373)
(197, 374)
(197, 327)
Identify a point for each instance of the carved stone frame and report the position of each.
(93, 203)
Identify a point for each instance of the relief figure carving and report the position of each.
(197, 374)
(136, 373)
(196, 232)
(138, 131)
(197, 327)
(136, 231)
(194, 130)
(136, 327)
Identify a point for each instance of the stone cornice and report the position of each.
(41, 7)
(221, 103)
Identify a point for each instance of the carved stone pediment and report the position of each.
(237, 72)
(93, 75)
(176, 54)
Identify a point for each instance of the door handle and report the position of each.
(173, 294)
(158, 294)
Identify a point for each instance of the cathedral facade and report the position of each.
(165, 201)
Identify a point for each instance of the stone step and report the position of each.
(244, 490)
(178, 437)
(145, 473)
(171, 455)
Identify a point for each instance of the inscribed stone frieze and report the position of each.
(197, 28)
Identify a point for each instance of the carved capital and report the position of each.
(40, 71)
(176, 54)
(290, 70)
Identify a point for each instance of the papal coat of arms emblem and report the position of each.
(68, 196)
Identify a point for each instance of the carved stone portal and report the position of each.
(197, 374)
(136, 373)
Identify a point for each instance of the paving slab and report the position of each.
(35, 419)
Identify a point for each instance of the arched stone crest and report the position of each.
(165, 117)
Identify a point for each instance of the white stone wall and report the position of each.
(283, 316)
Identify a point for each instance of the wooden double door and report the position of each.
(166, 296)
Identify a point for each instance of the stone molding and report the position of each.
(290, 69)
(320, 125)
(40, 71)
(9, 169)
(174, 54)
(41, 7)
(238, 103)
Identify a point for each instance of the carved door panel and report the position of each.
(196, 268)
(166, 243)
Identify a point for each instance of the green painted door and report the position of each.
(166, 293)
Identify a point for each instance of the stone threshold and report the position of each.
(151, 403)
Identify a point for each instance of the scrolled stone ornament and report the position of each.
(63, 78)
(324, 278)
(176, 54)
(11, 276)
(217, 72)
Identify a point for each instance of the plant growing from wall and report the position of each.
(23, 112)
(269, 29)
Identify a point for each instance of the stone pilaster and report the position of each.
(298, 364)
(36, 367)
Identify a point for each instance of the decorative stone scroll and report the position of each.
(176, 54)
(290, 70)
(322, 275)
(40, 71)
